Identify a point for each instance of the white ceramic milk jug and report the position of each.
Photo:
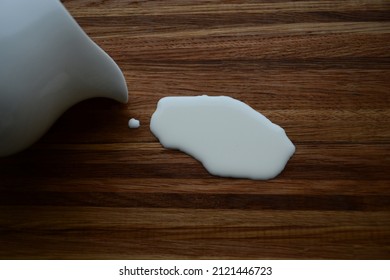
(47, 64)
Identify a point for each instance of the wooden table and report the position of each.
(91, 188)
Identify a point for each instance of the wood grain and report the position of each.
(93, 189)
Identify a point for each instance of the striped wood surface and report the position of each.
(93, 189)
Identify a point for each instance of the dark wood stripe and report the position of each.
(199, 201)
(336, 161)
(212, 20)
(92, 244)
(257, 65)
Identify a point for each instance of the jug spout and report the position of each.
(117, 87)
(102, 77)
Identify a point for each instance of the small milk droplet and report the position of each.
(133, 123)
(229, 137)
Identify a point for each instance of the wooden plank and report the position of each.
(154, 233)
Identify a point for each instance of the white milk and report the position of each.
(227, 136)
(134, 123)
